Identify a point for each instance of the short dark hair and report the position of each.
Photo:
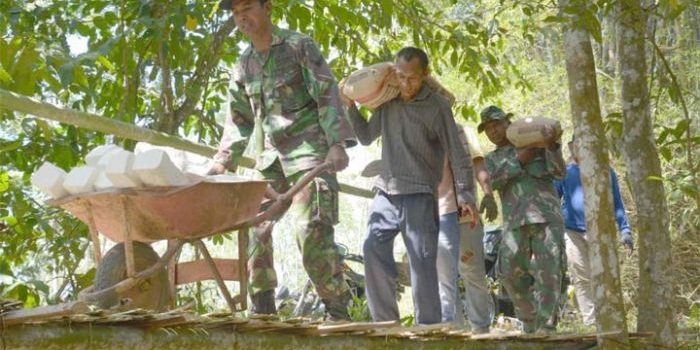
(409, 52)
(227, 4)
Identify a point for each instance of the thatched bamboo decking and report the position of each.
(138, 329)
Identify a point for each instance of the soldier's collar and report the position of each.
(278, 35)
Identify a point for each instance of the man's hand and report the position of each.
(489, 207)
(627, 241)
(345, 99)
(550, 135)
(216, 169)
(467, 212)
(525, 155)
(337, 157)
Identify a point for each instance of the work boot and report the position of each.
(529, 327)
(548, 327)
(337, 309)
(263, 303)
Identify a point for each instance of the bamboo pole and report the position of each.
(28, 105)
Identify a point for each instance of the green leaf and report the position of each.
(4, 182)
(654, 178)
(5, 78)
(681, 128)
(666, 153)
(105, 62)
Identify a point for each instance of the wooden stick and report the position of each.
(44, 312)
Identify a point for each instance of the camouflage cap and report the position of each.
(492, 113)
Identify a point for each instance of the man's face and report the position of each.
(410, 76)
(251, 16)
(496, 132)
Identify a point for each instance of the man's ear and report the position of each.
(268, 7)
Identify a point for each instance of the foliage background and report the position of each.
(165, 65)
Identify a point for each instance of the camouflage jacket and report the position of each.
(293, 92)
(527, 192)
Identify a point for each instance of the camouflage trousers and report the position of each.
(531, 263)
(313, 212)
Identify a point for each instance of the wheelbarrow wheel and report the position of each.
(152, 293)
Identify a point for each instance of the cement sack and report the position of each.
(527, 132)
(374, 85)
(371, 86)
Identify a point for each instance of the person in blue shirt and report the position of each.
(571, 190)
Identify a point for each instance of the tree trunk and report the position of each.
(594, 163)
(643, 168)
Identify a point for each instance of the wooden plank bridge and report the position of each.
(75, 326)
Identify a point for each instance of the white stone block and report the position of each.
(49, 179)
(94, 156)
(187, 162)
(197, 164)
(120, 169)
(155, 168)
(81, 179)
(102, 182)
(177, 157)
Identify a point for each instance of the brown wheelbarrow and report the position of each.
(131, 275)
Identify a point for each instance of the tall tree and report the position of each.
(594, 163)
(655, 307)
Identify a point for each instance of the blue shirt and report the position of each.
(570, 190)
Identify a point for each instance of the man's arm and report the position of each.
(620, 215)
(559, 185)
(238, 127)
(365, 131)
(488, 202)
(502, 166)
(459, 157)
(552, 153)
(555, 162)
(471, 143)
(323, 88)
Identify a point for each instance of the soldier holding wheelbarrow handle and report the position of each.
(284, 94)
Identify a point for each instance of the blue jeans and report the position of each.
(461, 253)
(416, 217)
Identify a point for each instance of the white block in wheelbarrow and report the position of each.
(102, 182)
(155, 168)
(176, 156)
(49, 179)
(94, 156)
(81, 179)
(120, 169)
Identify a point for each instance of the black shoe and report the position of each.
(263, 303)
(337, 309)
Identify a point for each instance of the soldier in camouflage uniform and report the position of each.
(284, 93)
(531, 256)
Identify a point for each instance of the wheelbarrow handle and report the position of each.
(281, 199)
